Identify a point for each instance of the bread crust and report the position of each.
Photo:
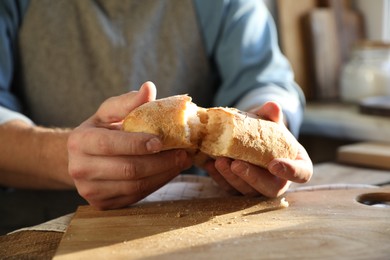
(218, 131)
(253, 140)
(164, 118)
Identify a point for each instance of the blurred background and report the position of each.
(340, 53)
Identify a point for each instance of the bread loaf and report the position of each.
(173, 119)
(214, 131)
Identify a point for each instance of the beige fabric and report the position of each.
(75, 54)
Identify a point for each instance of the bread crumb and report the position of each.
(284, 203)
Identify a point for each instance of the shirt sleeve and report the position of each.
(241, 39)
(11, 13)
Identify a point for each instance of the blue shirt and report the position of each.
(240, 37)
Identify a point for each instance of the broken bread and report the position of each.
(212, 132)
(235, 134)
(173, 119)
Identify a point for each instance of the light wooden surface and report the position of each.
(325, 52)
(317, 41)
(325, 174)
(294, 39)
(350, 26)
(331, 173)
(327, 224)
(368, 154)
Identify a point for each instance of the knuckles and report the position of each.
(103, 145)
(77, 138)
(77, 172)
(88, 193)
(73, 143)
(129, 171)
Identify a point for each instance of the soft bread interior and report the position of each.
(195, 121)
(219, 129)
(190, 121)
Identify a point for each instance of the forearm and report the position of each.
(33, 157)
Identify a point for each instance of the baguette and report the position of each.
(212, 132)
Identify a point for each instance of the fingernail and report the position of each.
(154, 145)
(181, 157)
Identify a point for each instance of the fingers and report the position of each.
(125, 168)
(113, 182)
(271, 111)
(114, 168)
(102, 141)
(275, 180)
(223, 165)
(118, 194)
(260, 179)
(218, 178)
(116, 108)
(299, 170)
(250, 180)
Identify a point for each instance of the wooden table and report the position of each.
(43, 245)
(29, 244)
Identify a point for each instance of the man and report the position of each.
(63, 61)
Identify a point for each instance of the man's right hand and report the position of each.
(112, 168)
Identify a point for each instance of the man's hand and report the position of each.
(242, 177)
(112, 168)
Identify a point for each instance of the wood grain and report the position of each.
(29, 245)
(326, 224)
(350, 26)
(325, 52)
(328, 34)
(294, 39)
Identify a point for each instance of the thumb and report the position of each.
(116, 108)
(271, 111)
(146, 93)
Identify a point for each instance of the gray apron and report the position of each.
(75, 54)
